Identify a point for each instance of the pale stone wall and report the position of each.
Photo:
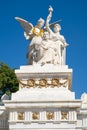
(3, 118)
(26, 115)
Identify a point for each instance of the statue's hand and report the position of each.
(66, 44)
(50, 9)
(26, 36)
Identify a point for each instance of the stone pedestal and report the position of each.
(46, 76)
(44, 100)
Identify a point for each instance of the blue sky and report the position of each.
(73, 13)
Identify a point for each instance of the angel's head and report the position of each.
(40, 23)
(57, 28)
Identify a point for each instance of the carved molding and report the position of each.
(55, 82)
(35, 116)
(50, 115)
(43, 83)
(64, 115)
(20, 116)
(31, 82)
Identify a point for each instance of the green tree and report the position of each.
(8, 80)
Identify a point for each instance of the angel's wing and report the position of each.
(51, 25)
(25, 24)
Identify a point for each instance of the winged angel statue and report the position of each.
(45, 45)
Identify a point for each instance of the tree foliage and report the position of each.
(8, 80)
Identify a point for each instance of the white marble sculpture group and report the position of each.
(47, 45)
(45, 100)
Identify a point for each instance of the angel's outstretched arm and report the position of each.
(48, 19)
